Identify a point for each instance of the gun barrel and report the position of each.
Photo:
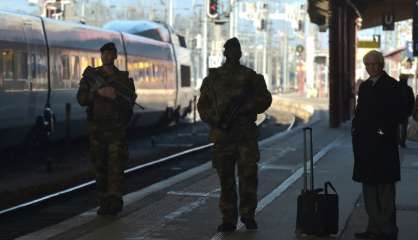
(128, 99)
(101, 82)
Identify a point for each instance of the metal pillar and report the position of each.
(205, 40)
(341, 62)
(170, 13)
(265, 43)
(232, 18)
(334, 119)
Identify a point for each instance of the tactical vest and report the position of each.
(107, 113)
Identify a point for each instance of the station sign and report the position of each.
(388, 21)
(368, 44)
(372, 43)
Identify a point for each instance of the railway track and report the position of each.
(58, 206)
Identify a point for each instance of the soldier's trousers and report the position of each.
(108, 153)
(245, 156)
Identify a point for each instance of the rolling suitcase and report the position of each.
(317, 209)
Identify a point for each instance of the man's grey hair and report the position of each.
(377, 55)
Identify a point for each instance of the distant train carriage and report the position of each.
(41, 63)
(180, 75)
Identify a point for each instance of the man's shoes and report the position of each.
(112, 206)
(114, 211)
(227, 227)
(393, 236)
(250, 223)
(366, 235)
(115, 205)
(102, 210)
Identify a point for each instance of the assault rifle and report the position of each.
(233, 110)
(100, 82)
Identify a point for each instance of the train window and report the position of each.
(148, 74)
(84, 62)
(7, 62)
(21, 65)
(165, 74)
(182, 41)
(33, 66)
(65, 60)
(40, 63)
(155, 70)
(141, 75)
(185, 76)
(76, 68)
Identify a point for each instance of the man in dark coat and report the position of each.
(375, 144)
(408, 104)
(230, 99)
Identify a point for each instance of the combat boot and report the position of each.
(103, 206)
(115, 205)
(102, 210)
(249, 223)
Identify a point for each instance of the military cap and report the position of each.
(232, 43)
(108, 47)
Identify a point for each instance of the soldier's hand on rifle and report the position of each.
(108, 92)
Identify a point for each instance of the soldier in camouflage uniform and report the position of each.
(235, 144)
(108, 116)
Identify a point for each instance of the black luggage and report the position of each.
(317, 209)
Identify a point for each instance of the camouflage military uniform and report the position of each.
(237, 145)
(108, 120)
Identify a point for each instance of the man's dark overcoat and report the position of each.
(375, 132)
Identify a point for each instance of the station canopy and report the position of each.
(371, 11)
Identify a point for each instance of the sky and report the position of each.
(17, 6)
(179, 5)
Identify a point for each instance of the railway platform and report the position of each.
(186, 206)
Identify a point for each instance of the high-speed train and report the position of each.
(42, 60)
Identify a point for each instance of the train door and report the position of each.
(185, 90)
(35, 66)
(32, 100)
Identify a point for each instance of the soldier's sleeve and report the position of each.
(84, 95)
(262, 96)
(129, 93)
(205, 105)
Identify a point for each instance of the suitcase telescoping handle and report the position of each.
(308, 154)
(329, 184)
